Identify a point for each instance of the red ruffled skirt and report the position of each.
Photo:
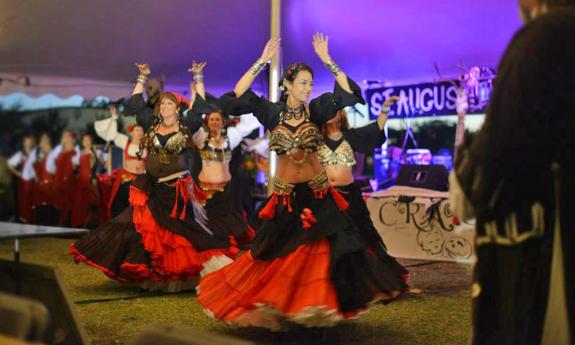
(308, 265)
(148, 243)
(270, 294)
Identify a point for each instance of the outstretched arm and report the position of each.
(198, 88)
(198, 105)
(320, 45)
(135, 105)
(142, 77)
(248, 78)
(382, 119)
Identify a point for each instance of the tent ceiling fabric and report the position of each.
(370, 39)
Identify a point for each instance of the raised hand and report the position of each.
(197, 67)
(144, 68)
(390, 101)
(320, 45)
(382, 119)
(270, 49)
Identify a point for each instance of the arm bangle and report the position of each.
(198, 78)
(257, 67)
(385, 109)
(141, 79)
(333, 68)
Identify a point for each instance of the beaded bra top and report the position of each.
(306, 136)
(210, 153)
(165, 145)
(342, 155)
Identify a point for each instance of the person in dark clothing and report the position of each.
(307, 264)
(161, 241)
(516, 178)
(215, 142)
(337, 155)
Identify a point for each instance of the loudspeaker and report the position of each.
(182, 335)
(46, 285)
(423, 176)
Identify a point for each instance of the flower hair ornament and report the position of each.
(290, 73)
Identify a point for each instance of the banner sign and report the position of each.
(418, 224)
(418, 100)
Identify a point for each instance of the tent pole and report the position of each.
(274, 76)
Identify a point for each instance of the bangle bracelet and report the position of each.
(198, 78)
(257, 67)
(141, 79)
(333, 67)
(385, 109)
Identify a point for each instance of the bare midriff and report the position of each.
(339, 175)
(215, 172)
(134, 166)
(293, 172)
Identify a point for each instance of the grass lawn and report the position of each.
(112, 312)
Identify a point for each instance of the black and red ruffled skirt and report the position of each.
(157, 238)
(309, 265)
(359, 212)
(225, 214)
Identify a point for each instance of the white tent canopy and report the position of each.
(89, 47)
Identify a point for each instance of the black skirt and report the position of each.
(356, 273)
(121, 199)
(155, 239)
(226, 217)
(359, 212)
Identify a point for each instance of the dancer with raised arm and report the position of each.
(308, 264)
(215, 142)
(161, 241)
(133, 160)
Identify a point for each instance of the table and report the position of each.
(17, 231)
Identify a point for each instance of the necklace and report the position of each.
(296, 113)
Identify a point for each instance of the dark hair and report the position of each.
(28, 136)
(343, 123)
(44, 133)
(223, 117)
(289, 75)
